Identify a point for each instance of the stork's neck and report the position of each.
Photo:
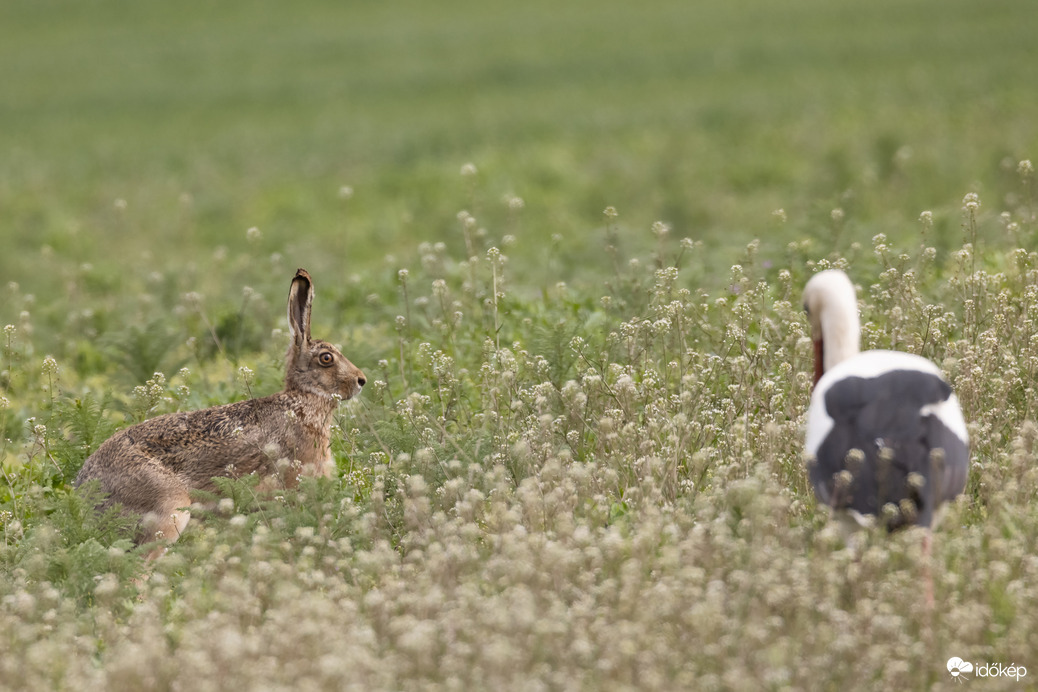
(841, 332)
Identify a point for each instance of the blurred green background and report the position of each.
(141, 141)
(149, 133)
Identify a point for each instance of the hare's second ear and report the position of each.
(300, 297)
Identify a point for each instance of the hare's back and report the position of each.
(193, 445)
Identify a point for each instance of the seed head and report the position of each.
(889, 511)
(908, 510)
(50, 366)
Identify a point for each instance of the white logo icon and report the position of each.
(958, 668)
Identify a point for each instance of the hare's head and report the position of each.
(312, 365)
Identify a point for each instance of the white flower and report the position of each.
(50, 366)
(660, 229)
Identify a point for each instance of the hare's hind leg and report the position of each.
(162, 501)
(166, 524)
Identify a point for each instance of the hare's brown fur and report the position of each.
(150, 468)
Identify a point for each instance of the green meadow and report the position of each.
(566, 243)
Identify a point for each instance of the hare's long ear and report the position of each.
(300, 297)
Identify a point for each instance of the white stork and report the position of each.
(885, 434)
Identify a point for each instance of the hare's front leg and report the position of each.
(323, 468)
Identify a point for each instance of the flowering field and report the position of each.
(569, 258)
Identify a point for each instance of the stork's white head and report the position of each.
(832, 308)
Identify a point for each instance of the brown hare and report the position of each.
(151, 468)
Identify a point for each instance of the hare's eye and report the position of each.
(326, 359)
